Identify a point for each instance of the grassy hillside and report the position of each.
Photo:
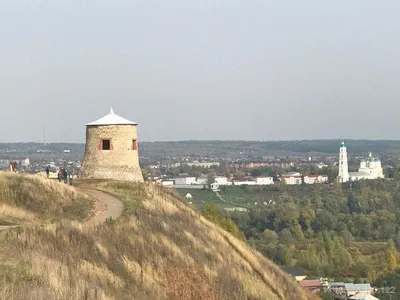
(158, 249)
(30, 199)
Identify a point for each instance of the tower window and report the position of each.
(105, 145)
(134, 144)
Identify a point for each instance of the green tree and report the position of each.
(211, 213)
(346, 235)
(342, 259)
(307, 214)
(391, 256)
(285, 237)
(352, 203)
(210, 179)
(286, 217)
(269, 236)
(324, 220)
(283, 255)
(230, 226)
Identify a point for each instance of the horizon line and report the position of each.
(218, 140)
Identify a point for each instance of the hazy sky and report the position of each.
(243, 70)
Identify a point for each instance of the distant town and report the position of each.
(214, 170)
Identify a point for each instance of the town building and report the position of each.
(222, 180)
(313, 285)
(321, 165)
(167, 182)
(297, 272)
(202, 164)
(264, 180)
(203, 179)
(370, 168)
(351, 290)
(244, 181)
(185, 180)
(292, 178)
(363, 296)
(111, 150)
(297, 178)
(311, 179)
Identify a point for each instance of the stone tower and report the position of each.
(343, 166)
(111, 150)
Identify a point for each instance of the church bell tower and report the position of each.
(343, 167)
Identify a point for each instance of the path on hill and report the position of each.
(105, 206)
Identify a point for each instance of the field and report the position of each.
(249, 195)
(237, 196)
(159, 248)
(202, 197)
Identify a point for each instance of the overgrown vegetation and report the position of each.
(158, 249)
(211, 213)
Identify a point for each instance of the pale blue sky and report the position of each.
(251, 70)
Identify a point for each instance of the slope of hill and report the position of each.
(158, 249)
(30, 199)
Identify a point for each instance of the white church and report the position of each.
(369, 169)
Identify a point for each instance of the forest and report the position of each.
(332, 230)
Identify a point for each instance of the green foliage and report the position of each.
(330, 229)
(285, 237)
(388, 287)
(391, 254)
(211, 212)
(283, 255)
(325, 295)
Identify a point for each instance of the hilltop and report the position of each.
(157, 249)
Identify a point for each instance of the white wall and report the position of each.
(264, 180)
(185, 180)
(201, 180)
(221, 180)
(292, 180)
(311, 180)
(168, 182)
(244, 182)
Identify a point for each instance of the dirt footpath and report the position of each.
(105, 206)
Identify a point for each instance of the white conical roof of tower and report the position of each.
(111, 119)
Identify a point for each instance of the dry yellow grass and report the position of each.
(158, 249)
(16, 213)
(30, 198)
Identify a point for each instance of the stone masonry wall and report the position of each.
(119, 163)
